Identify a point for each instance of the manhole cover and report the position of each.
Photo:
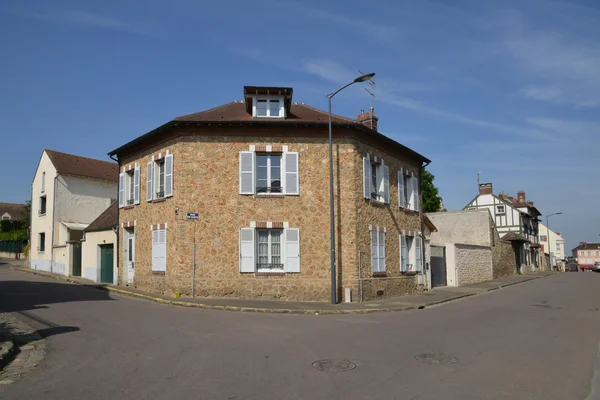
(436, 358)
(334, 365)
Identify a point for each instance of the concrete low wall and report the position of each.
(5, 254)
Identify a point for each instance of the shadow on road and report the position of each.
(16, 296)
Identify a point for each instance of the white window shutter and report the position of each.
(386, 184)
(401, 199)
(169, 175)
(292, 250)
(247, 250)
(415, 200)
(121, 189)
(246, 172)
(149, 181)
(162, 238)
(290, 161)
(382, 251)
(155, 251)
(136, 185)
(418, 254)
(374, 252)
(367, 177)
(403, 254)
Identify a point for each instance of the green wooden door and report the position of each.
(77, 259)
(106, 263)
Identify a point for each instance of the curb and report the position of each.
(263, 309)
(595, 385)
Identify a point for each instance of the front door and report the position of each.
(130, 255)
(106, 263)
(76, 259)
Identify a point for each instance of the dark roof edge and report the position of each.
(357, 126)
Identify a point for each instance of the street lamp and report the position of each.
(548, 228)
(361, 78)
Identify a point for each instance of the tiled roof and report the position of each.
(236, 111)
(588, 246)
(516, 237)
(82, 166)
(106, 220)
(16, 211)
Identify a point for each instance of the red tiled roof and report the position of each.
(16, 211)
(588, 246)
(83, 166)
(236, 111)
(106, 220)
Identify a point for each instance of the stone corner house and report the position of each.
(247, 184)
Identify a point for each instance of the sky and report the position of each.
(508, 88)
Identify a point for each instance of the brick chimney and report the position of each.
(485, 188)
(521, 196)
(368, 119)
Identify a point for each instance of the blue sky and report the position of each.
(508, 88)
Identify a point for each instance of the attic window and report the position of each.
(268, 108)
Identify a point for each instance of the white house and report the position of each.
(516, 221)
(555, 247)
(68, 192)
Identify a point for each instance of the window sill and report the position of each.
(410, 273)
(270, 196)
(270, 273)
(41, 214)
(377, 203)
(380, 274)
(128, 207)
(409, 210)
(160, 273)
(158, 200)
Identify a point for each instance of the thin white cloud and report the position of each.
(93, 20)
(567, 127)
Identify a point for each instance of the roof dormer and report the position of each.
(268, 102)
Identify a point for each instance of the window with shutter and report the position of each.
(377, 250)
(168, 185)
(292, 186)
(136, 185)
(292, 250)
(418, 259)
(403, 254)
(246, 172)
(149, 186)
(386, 184)
(155, 251)
(247, 250)
(415, 200)
(121, 189)
(366, 177)
(401, 193)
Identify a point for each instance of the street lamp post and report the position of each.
(361, 78)
(548, 233)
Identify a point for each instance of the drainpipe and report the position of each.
(53, 217)
(422, 217)
(118, 226)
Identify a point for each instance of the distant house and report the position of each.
(99, 256)
(516, 221)
(12, 212)
(587, 254)
(470, 247)
(552, 244)
(68, 192)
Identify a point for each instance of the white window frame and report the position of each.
(156, 179)
(268, 100)
(380, 189)
(270, 253)
(377, 236)
(41, 243)
(129, 187)
(498, 209)
(269, 171)
(40, 213)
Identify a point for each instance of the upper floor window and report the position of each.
(268, 108)
(159, 178)
(43, 181)
(129, 187)
(408, 190)
(376, 180)
(42, 210)
(269, 173)
(500, 209)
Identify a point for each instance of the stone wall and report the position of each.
(206, 181)
(473, 264)
(503, 256)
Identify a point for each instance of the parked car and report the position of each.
(596, 267)
(571, 267)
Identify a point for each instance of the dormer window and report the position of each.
(269, 108)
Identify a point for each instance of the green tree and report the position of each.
(432, 201)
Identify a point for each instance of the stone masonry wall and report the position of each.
(206, 180)
(473, 264)
(503, 255)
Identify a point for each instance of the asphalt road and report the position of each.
(536, 340)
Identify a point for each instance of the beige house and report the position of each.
(471, 248)
(68, 192)
(99, 256)
(554, 247)
(247, 183)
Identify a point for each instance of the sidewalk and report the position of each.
(417, 301)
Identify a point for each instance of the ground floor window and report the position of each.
(42, 241)
(378, 250)
(159, 250)
(268, 242)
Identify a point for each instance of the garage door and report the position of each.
(438, 266)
